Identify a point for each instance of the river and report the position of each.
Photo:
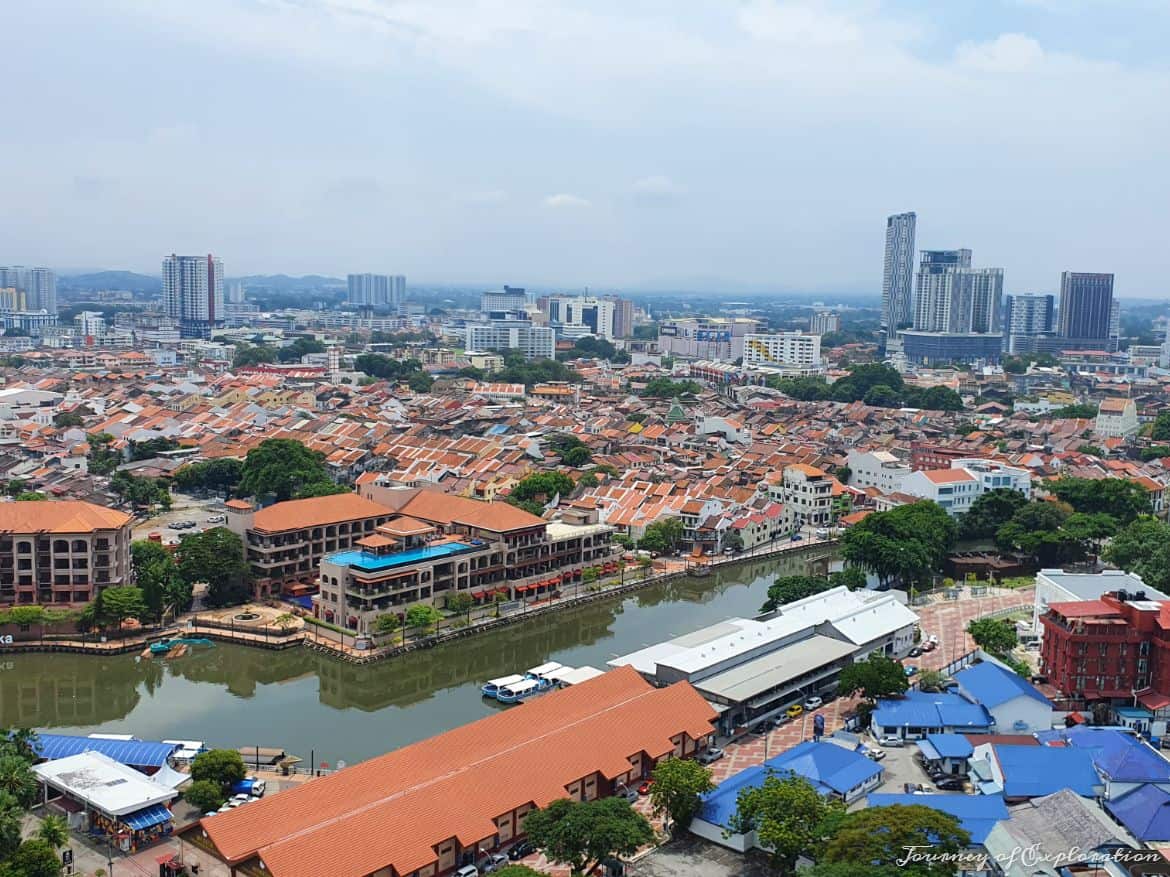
(310, 704)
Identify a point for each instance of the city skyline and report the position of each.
(591, 168)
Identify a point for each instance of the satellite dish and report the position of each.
(340, 764)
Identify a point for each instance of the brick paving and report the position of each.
(948, 619)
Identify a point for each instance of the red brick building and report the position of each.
(925, 456)
(1114, 647)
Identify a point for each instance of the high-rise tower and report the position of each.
(898, 272)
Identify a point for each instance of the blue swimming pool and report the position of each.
(376, 563)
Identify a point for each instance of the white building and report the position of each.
(807, 495)
(583, 315)
(193, 293)
(375, 290)
(1014, 703)
(953, 489)
(824, 322)
(510, 299)
(994, 475)
(38, 285)
(535, 342)
(713, 338)
(1117, 418)
(90, 323)
(782, 349)
(879, 469)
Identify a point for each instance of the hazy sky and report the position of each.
(627, 143)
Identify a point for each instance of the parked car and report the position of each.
(492, 862)
(915, 652)
(522, 849)
(216, 519)
(934, 638)
(624, 791)
(875, 753)
(813, 703)
(910, 670)
(928, 646)
(950, 784)
(782, 719)
(793, 711)
(710, 756)
(647, 783)
(796, 537)
(891, 741)
(467, 871)
(821, 533)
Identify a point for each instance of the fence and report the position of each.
(261, 630)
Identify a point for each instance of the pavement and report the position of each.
(183, 508)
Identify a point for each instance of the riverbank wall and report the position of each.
(342, 645)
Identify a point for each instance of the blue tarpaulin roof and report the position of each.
(829, 767)
(977, 814)
(155, 815)
(992, 685)
(135, 753)
(1145, 812)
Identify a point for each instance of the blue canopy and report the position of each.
(148, 816)
(134, 753)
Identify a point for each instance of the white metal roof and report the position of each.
(104, 784)
(545, 669)
(860, 616)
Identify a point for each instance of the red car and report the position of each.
(644, 789)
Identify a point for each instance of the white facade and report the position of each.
(953, 297)
(510, 298)
(824, 322)
(586, 315)
(39, 286)
(376, 289)
(807, 496)
(712, 338)
(90, 323)
(879, 469)
(994, 475)
(953, 489)
(193, 293)
(782, 349)
(898, 271)
(1058, 586)
(1025, 318)
(535, 342)
(1117, 418)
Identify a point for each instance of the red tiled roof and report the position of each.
(393, 810)
(443, 508)
(59, 516)
(1083, 608)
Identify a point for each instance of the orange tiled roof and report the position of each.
(442, 508)
(65, 516)
(393, 810)
(296, 514)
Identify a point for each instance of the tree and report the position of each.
(422, 616)
(881, 396)
(1160, 431)
(30, 496)
(386, 623)
(788, 589)
(205, 796)
(931, 680)
(662, 536)
(665, 388)
(678, 785)
(220, 475)
(220, 767)
(102, 458)
(33, 858)
(576, 457)
(582, 834)
(906, 544)
(156, 573)
(53, 830)
(787, 814)
(996, 636)
(1074, 412)
(216, 556)
(1143, 547)
(144, 450)
(247, 354)
(120, 603)
(17, 780)
(281, 468)
(588, 480)
(515, 870)
(989, 512)
(533, 492)
(459, 602)
(1119, 497)
(11, 816)
(65, 419)
(881, 837)
(1089, 529)
(285, 621)
(876, 676)
(1037, 529)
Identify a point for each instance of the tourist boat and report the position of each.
(519, 691)
(541, 673)
(492, 687)
(164, 647)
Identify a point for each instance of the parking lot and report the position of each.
(184, 508)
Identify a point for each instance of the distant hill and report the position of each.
(112, 280)
(284, 283)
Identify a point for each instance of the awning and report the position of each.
(928, 751)
(147, 817)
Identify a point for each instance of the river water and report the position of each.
(312, 705)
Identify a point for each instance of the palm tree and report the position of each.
(23, 741)
(54, 831)
(18, 780)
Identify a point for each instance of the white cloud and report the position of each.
(1007, 53)
(566, 201)
(798, 23)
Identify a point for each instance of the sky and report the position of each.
(739, 145)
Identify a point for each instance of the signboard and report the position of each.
(6, 640)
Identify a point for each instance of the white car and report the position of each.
(814, 703)
(216, 519)
(874, 753)
(821, 533)
(890, 741)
